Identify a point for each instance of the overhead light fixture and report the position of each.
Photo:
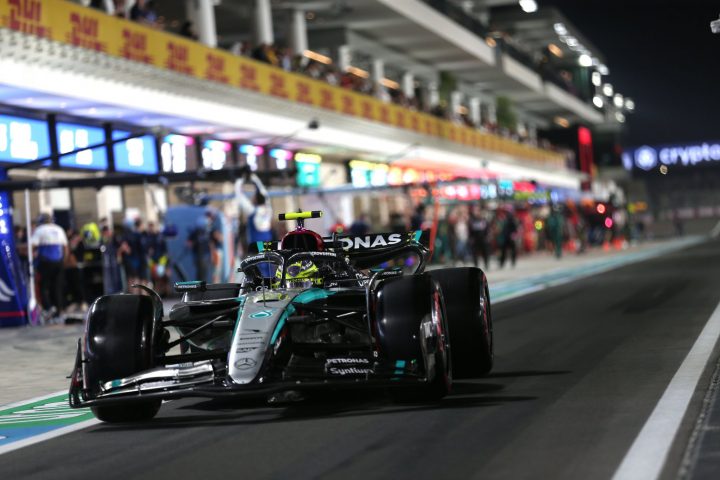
(618, 100)
(572, 42)
(318, 57)
(598, 101)
(607, 90)
(562, 122)
(620, 117)
(560, 29)
(358, 72)
(491, 42)
(555, 50)
(630, 104)
(596, 79)
(603, 69)
(528, 6)
(390, 83)
(585, 60)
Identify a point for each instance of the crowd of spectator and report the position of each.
(145, 12)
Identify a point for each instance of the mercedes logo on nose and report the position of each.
(245, 363)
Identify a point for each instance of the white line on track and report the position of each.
(649, 451)
(715, 232)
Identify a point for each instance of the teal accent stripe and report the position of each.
(418, 234)
(239, 315)
(311, 295)
(191, 282)
(260, 246)
(281, 323)
(305, 297)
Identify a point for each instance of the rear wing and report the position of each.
(354, 245)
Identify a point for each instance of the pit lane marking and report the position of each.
(648, 453)
(41, 418)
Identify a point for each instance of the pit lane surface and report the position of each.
(579, 369)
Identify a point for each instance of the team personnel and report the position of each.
(258, 212)
(51, 250)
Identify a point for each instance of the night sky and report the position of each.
(662, 54)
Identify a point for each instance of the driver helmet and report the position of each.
(303, 274)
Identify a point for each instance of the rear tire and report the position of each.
(119, 343)
(469, 316)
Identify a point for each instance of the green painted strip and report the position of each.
(50, 412)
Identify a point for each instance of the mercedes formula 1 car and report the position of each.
(311, 313)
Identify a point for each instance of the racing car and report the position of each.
(310, 313)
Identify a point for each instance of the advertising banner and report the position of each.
(13, 288)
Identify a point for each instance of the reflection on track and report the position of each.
(466, 394)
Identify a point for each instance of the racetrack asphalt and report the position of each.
(579, 369)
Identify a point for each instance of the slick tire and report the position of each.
(118, 344)
(469, 316)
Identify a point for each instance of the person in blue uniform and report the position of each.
(258, 213)
(51, 250)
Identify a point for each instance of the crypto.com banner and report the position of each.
(648, 159)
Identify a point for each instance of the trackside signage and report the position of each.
(32, 419)
(647, 158)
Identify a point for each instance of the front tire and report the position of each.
(404, 321)
(119, 342)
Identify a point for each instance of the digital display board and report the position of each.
(250, 155)
(72, 136)
(281, 158)
(308, 169)
(216, 154)
(178, 154)
(23, 139)
(137, 155)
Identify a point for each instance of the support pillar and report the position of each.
(475, 111)
(202, 14)
(455, 102)
(408, 85)
(344, 57)
(492, 113)
(433, 94)
(378, 74)
(207, 30)
(298, 32)
(264, 23)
